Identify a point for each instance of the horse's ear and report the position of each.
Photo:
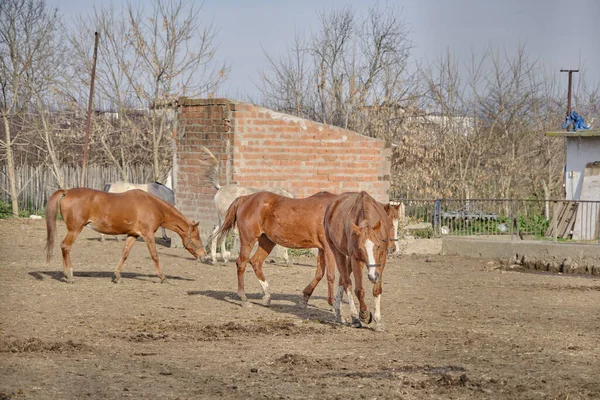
(195, 224)
(377, 226)
(355, 229)
(397, 206)
(387, 207)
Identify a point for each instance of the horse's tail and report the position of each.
(229, 221)
(212, 172)
(52, 208)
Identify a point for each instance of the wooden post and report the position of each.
(555, 221)
(570, 71)
(89, 114)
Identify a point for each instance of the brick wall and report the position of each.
(258, 147)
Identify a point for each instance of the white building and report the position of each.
(582, 179)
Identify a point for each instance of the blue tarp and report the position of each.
(577, 121)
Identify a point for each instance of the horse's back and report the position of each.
(122, 186)
(353, 207)
(162, 192)
(226, 195)
(280, 210)
(109, 212)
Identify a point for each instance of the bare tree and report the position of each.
(151, 56)
(349, 65)
(27, 34)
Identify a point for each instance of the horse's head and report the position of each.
(370, 244)
(193, 242)
(393, 213)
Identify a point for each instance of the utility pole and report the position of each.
(88, 126)
(570, 71)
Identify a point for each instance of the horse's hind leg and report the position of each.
(164, 234)
(285, 255)
(245, 249)
(310, 288)
(149, 238)
(265, 246)
(65, 246)
(213, 246)
(129, 242)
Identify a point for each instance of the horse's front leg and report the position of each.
(377, 290)
(265, 246)
(364, 314)
(129, 242)
(344, 286)
(149, 238)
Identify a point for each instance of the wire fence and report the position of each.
(510, 219)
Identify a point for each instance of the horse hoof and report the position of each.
(246, 304)
(303, 303)
(116, 279)
(356, 323)
(379, 328)
(69, 280)
(162, 278)
(266, 301)
(367, 319)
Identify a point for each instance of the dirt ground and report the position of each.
(455, 328)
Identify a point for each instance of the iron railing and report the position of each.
(558, 220)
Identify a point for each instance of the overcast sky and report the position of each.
(562, 34)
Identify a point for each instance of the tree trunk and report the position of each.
(155, 156)
(11, 169)
(50, 147)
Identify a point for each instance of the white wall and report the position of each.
(580, 151)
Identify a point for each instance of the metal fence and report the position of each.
(558, 220)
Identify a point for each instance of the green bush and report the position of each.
(6, 211)
(426, 233)
(535, 224)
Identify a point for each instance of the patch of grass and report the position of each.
(300, 252)
(426, 233)
(6, 211)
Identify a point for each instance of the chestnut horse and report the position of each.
(225, 196)
(358, 230)
(134, 213)
(154, 188)
(272, 219)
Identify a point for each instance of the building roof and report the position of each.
(580, 133)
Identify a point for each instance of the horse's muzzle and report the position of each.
(373, 274)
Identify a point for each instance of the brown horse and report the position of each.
(272, 219)
(134, 213)
(357, 229)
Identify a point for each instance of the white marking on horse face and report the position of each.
(369, 246)
(395, 222)
(265, 286)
